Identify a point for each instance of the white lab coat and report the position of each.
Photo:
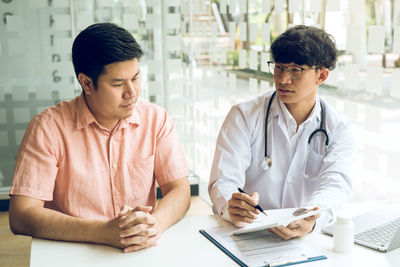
(239, 154)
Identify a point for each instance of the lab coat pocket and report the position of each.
(141, 172)
(313, 165)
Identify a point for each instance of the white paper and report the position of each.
(266, 6)
(371, 157)
(372, 119)
(265, 33)
(276, 217)
(396, 40)
(351, 109)
(173, 21)
(395, 83)
(232, 30)
(279, 6)
(232, 81)
(374, 79)
(253, 86)
(243, 58)
(243, 31)
(315, 5)
(264, 61)
(353, 41)
(253, 60)
(333, 5)
(351, 76)
(294, 6)
(14, 23)
(62, 22)
(376, 39)
(253, 36)
(255, 249)
(130, 21)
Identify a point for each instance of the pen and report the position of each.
(257, 207)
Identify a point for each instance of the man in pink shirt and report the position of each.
(86, 168)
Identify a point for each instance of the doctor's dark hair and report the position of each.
(102, 44)
(305, 45)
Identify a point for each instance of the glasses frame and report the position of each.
(272, 71)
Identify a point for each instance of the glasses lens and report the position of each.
(294, 72)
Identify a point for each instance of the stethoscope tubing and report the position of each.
(320, 129)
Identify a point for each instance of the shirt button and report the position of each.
(114, 165)
(290, 179)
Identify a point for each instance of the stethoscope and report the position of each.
(267, 162)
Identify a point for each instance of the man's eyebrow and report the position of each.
(121, 80)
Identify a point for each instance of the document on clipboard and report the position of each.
(277, 217)
(253, 245)
(261, 248)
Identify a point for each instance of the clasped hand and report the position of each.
(133, 229)
(242, 211)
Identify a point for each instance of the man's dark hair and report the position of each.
(102, 44)
(305, 45)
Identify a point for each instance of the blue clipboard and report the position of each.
(242, 264)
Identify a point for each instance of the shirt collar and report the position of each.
(84, 116)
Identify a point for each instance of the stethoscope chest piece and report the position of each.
(266, 163)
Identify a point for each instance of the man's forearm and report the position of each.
(173, 206)
(50, 224)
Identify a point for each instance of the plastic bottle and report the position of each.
(343, 234)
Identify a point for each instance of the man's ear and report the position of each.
(86, 83)
(322, 76)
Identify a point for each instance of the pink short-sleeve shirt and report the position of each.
(82, 169)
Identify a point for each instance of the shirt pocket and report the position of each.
(313, 165)
(141, 173)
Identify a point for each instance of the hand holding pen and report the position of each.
(242, 208)
(257, 206)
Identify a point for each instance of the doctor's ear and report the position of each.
(322, 76)
(86, 83)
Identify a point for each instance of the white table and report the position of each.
(183, 245)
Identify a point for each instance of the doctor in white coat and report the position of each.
(299, 154)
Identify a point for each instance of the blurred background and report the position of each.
(200, 58)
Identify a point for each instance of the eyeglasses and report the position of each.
(293, 71)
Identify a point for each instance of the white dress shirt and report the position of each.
(239, 157)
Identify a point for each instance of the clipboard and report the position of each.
(222, 238)
(278, 217)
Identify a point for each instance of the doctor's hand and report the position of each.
(296, 228)
(241, 208)
(133, 229)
